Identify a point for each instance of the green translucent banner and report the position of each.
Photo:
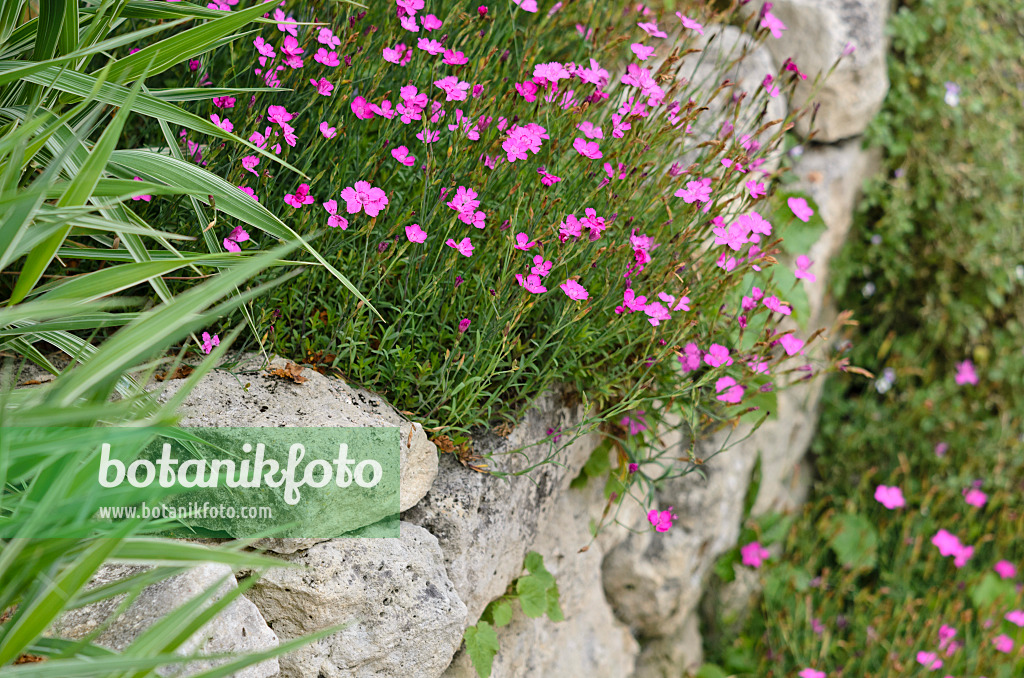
(215, 482)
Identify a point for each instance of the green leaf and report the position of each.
(797, 236)
(554, 609)
(501, 612)
(481, 646)
(991, 589)
(854, 540)
(533, 595)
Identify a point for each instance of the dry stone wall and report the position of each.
(630, 598)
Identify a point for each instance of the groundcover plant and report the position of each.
(483, 202)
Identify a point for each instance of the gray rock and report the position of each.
(590, 641)
(486, 525)
(675, 656)
(654, 580)
(253, 398)
(817, 33)
(403, 614)
(238, 629)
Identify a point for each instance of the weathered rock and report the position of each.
(253, 398)
(675, 656)
(654, 580)
(590, 641)
(403, 614)
(239, 628)
(818, 32)
(486, 525)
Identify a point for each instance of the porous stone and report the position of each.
(403, 616)
(590, 641)
(249, 396)
(486, 525)
(816, 36)
(654, 580)
(238, 629)
(675, 656)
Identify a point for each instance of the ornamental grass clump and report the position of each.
(525, 197)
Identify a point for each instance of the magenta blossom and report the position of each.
(362, 108)
(728, 390)
(364, 197)
(465, 246)
(402, 155)
(811, 673)
(209, 342)
(335, 220)
(463, 325)
(415, 234)
(965, 373)
(929, 660)
(753, 554)
(574, 290)
(588, 149)
(231, 243)
(975, 497)
(300, 197)
(662, 520)
(323, 87)
(1003, 643)
(523, 242)
(889, 497)
(1005, 569)
(801, 210)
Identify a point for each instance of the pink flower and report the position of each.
(327, 58)
(237, 235)
(463, 325)
(335, 220)
(454, 58)
(801, 210)
(695, 191)
(588, 149)
(772, 23)
(532, 283)
(756, 188)
(362, 108)
(249, 163)
(728, 390)
(432, 47)
(328, 131)
(777, 306)
(402, 155)
(146, 198)
(1005, 569)
(699, 29)
(961, 557)
(526, 5)
(662, 520)
(323, 87)
(811, 673)
(1015, 617)
(753, 554)
(224, 102)
(364, 197)
(965, 373)
(975, 497)
(523, 242)
(574, 290)
(790, 344)
(1003, 643)
(279, 115)
(948, 544)
(718, 356)
(590, 130)
(889, 497)
(415, 234)
(803, 263)
(223, 123)
(300, 197)
(929, 660)
(642, 51)
(209, 342)
(264, 48)
(651, 28)
(454, 89)
(249, 192)
(409, 23)
(400, 54)
(410, 6)
(465, 246)
(431, 22)
(327, 37)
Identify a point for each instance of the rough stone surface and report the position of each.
(654, 580)
(486, 525)
(817, 33)
(590, 642)
(403, 614)
(254, 398)
(239, 628)
(675, 656)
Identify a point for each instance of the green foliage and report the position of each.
(934, 272)
(537, 593)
